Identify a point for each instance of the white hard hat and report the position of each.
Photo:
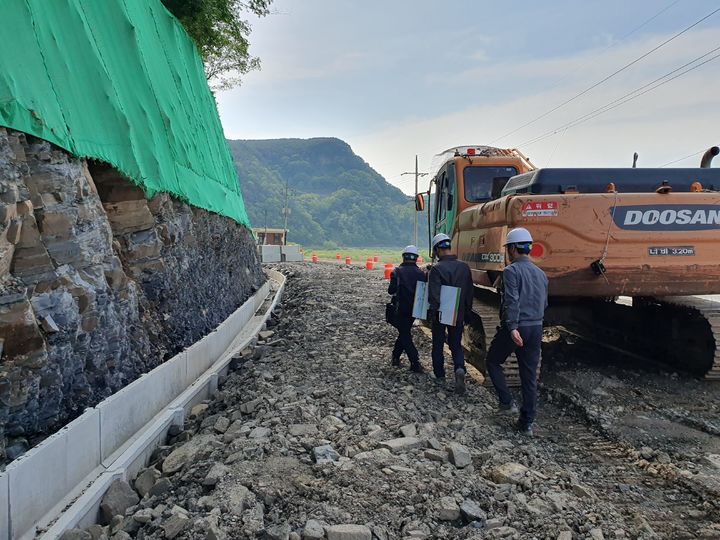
(442, 237)
(518, 236)
(411, 250)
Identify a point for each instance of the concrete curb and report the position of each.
(59, 484)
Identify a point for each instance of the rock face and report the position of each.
(98, 284)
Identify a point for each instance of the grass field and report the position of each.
(359, 255)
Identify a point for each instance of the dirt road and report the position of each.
(315, 435)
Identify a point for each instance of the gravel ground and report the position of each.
(315, 435)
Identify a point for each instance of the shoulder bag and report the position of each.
(393, 306)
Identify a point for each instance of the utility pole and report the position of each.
(286, 211)
(265, 237)
(417, 175)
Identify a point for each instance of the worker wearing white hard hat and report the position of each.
(518, 236)
(448, 271)
(403, 281)
(411, 252)
(441, 241)
(524, 299)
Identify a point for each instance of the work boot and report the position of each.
(510, 409)
(524, 429)
(415, 367)
(396, 362)
(460, 381)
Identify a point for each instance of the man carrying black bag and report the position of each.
(403, 280)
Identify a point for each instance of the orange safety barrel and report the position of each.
(314, 258)
(347, 260)
(337, 256)
(368, 264)
(388, 270)
(376, 258)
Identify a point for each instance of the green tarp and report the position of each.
(118, 81)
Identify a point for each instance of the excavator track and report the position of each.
(678, 332)
(710, 311)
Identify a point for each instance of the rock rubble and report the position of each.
(322, 438)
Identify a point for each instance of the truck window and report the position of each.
(485, 183)
(442, 198)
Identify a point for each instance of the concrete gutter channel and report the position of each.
(59, 484)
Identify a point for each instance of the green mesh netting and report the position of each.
(118, 81)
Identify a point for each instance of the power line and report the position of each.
(613, 74)
(603, 110)
(417, 175)
(619, 101)
(627, 97)
(619, 40)
(647, 21)
(682, 158)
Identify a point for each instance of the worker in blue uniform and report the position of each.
(403, 281)
(448, 271)
(524, 300)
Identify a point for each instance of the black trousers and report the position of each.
(404, 342)
(454, 340)
(528, 357)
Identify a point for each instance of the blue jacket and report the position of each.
(524, 294)
(409, 274)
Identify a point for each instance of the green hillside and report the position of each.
(336, 198)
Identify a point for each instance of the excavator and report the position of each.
(629, 252)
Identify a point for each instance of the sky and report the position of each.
(399, 78)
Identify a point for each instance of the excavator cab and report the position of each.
(468, 176)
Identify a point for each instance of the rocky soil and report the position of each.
(314, 435)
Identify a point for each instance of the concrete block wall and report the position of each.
(124, 413)
(4, 507)
(48, 472)
(269, 254)
(291, 254)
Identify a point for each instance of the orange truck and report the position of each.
(624, 248)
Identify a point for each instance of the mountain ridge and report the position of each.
(336, 197)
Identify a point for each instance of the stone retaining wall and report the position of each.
(98, 284)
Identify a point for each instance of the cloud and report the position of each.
(480, 56)
(676, 119)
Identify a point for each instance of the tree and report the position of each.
(221, 35)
